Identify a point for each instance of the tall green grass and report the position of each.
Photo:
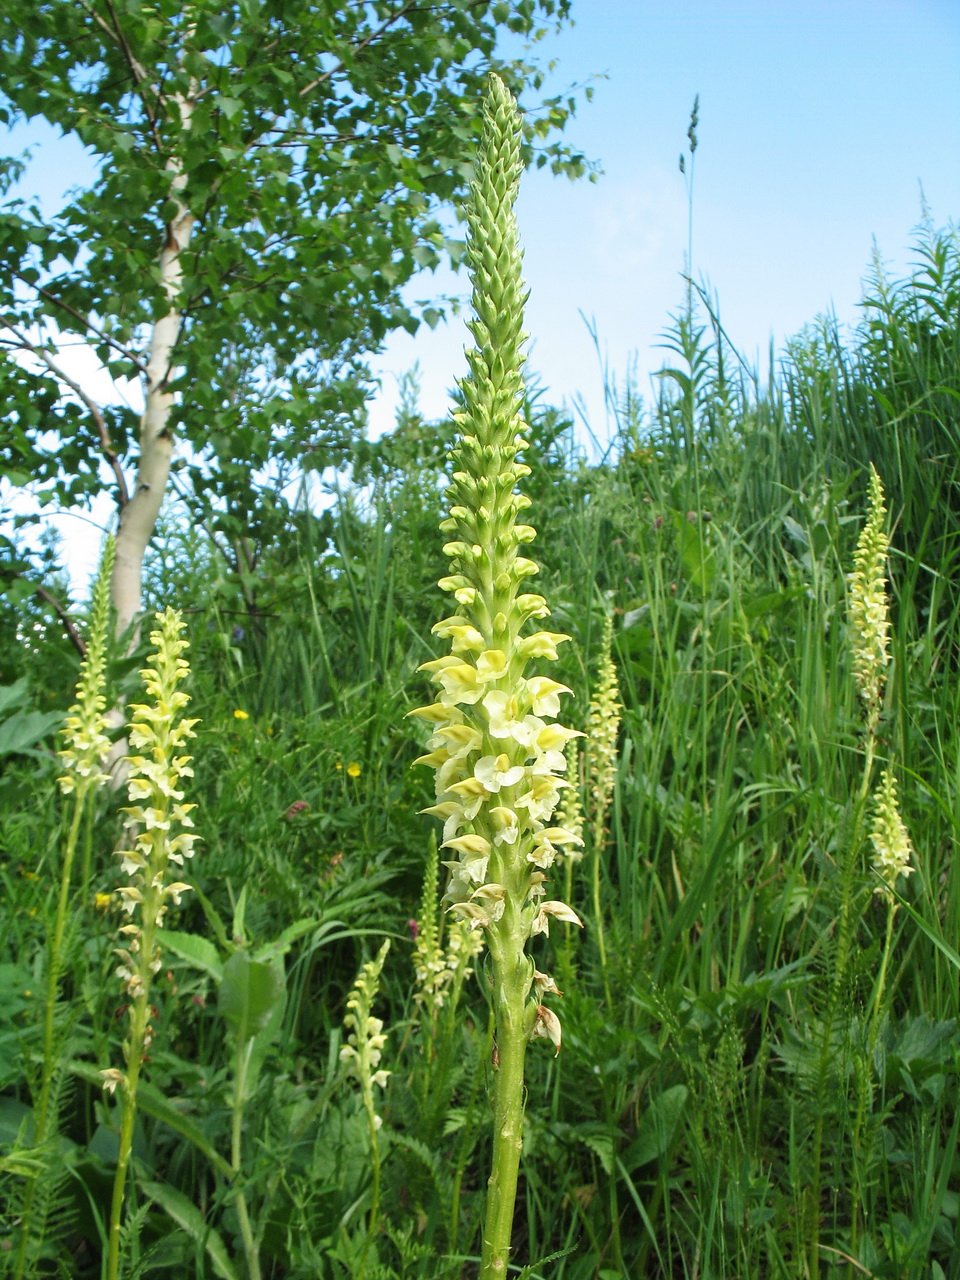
(674, 1135)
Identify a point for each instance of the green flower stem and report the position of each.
(875, 1011)
(139, 1018)
(86, 861)
(872, 1021)
(372, 1128)
(244, 1050)
(513, 1034)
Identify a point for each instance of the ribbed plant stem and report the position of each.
(244, 1049)
(512, 1036)
(841, 961)
(138, 1024)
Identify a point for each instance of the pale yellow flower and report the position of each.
(868, 613)
(890, 839)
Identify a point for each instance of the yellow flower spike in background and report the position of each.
(159, 822)
(83, 756)
(498, 755)
(603, 729)
(86, 743)
(890, 840)
(868, 614)
(362, 1055)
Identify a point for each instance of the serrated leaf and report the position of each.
(197, 951)
(229, 106)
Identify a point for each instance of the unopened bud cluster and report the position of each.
(496, 747)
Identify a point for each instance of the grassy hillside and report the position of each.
(759, 1075)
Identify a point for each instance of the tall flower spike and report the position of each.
(571, 808)
(602, 730)
(362, 1055)
(156, 814)
(87, 744)
(496, 749)
(159, 822)
(891, 842)
(868, 614)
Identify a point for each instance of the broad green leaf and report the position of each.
(25, 729)
(659, 1124)
(12, 695)
(249, 993)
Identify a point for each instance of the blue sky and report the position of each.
(819, 123)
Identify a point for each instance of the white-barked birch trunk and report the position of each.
(138, 517)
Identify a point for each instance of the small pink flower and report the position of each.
(298, 806)
(414, 930)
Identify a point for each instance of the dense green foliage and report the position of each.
(268, 177)
(676, 1134)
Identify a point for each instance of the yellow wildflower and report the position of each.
(868, 613)
(353, 769)
(890, 839)
(241, 715)
(102, 900)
